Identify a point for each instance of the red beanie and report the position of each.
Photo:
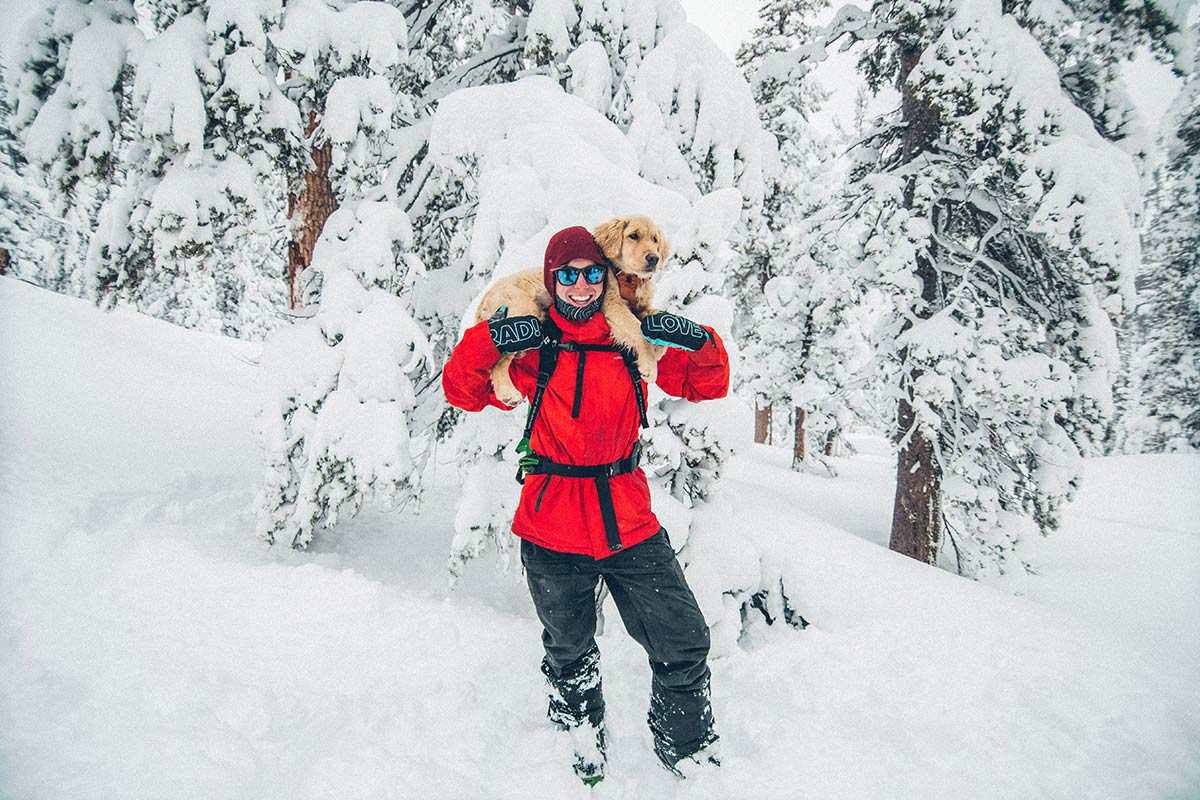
(568, 244)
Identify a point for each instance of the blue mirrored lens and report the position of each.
(568, 275)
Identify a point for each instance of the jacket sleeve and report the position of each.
(466, 381)
(698, 375)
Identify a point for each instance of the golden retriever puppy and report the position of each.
(636, 249)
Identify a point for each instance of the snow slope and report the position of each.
(150, 647)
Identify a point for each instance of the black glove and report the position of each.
(514, 334)
(673, 331)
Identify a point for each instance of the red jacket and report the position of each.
(565, 516)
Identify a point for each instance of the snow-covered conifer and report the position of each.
(785, 335)
(362, 78)
(161, 150)
(999, 233)
(191, 235)
(349, 395)
(33, 237)
(1167, 324)
(69, 92)
(599, 47)
(1088, 40)
(694, 123)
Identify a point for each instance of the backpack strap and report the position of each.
(547, 361)
(635, 375)
(552, 344)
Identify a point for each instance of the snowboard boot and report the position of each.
(591, 748)
(576, 705)
(692, 765)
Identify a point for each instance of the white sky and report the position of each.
(728, 22)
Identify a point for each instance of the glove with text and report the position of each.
(671, 330)
(514, 334)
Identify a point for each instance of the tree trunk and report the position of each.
(762, 421)
(798, 438)
(307, 213)
(3, 260)
(916, 513)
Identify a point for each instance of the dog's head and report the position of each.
(633, 244)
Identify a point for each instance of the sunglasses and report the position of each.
(566, 276)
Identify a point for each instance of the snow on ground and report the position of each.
(150, 647)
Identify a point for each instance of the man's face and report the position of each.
(580, 293)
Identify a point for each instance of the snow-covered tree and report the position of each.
(598, 48)
(781, 336)
(162, 150)
(33, 238)
(349, 396)
(1089, 40)
(343, 72)
(188, 237)
(69, 90)
(362, 76)
(998, 233)
(694, 123)
(1167, 325)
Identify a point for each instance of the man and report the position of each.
(585, 510)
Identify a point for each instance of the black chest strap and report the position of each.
(552, 344)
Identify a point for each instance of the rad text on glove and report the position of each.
(517, 330)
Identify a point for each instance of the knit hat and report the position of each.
(569, 243)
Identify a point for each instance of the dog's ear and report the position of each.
(608, 236)
(664, 247)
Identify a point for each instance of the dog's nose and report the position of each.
(651, 260)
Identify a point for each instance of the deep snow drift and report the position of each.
(150, 646)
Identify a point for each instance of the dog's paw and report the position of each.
(510, 398)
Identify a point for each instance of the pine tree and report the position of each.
(70, 95)
(363, 75)
(597, 49)
(1167, 323)
(342, 67)
(348, 410)
(998, 230)
(33, 239)
(782, 337)
(160, 153)
(190, 237)
(1088, 40)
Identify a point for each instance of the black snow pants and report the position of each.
(660, 613)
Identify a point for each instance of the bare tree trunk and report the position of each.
(762, 421)
(798, 438)
(916, 513)
(307, 213)
(3, 260)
